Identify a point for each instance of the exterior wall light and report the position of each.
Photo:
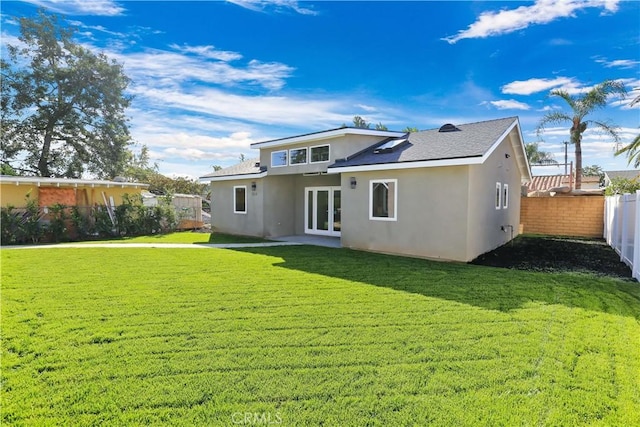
(353, 182)
(253, 186)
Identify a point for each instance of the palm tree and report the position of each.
(582, 106)
(633, 149)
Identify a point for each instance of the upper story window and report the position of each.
(298, 156)
(279, 158)
(383, 199)
(320, 153)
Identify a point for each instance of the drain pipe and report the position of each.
(504, 228)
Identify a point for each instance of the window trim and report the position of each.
(497, 196)
(395, 199)
(306, 157)
(318, 146)
(235, 204)
(505, 196)
(286, 160)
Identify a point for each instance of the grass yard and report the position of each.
(309, 336)
(183, 237)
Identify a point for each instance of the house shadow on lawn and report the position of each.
(485, 287)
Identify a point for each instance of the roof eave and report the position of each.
(327, 134)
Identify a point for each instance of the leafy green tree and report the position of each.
(62, 105)
(633, 151)
(621, 185)
(582, 106)
(410, 129)
(594, 170)
(361, 123)
(537, 156)
(380, 126)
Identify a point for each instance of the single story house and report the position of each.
(561, 183)
(451, 193)
(66, 191)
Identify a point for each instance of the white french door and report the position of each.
(322, 211)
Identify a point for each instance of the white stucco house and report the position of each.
(449, 193)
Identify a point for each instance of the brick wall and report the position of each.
(48, 196)
(563, 216)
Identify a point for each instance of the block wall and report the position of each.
(580, 216)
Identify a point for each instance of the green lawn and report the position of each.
(183, 237)
(307, 336)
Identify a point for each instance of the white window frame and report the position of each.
(235, 205)
(497, 196)
(318, 146)
(505, 196)
(395, 199)
(306, 160)
(286, 160)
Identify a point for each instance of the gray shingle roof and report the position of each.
(473, 140)
(248, 167)
(627, 174)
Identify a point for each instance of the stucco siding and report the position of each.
(339, 148)
(431, 213)
(278, 204)
(484, 220)
(223, 218)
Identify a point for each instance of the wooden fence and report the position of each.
(622, 228)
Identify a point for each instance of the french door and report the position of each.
(322, 211)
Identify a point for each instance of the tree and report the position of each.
(380, 126)
(62, 105)
(537, 157)
(361, 123)
(410, 129)
(594, 170)
(581, 106)
(633, 149)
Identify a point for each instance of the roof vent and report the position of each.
(448, 128)
(257, 164)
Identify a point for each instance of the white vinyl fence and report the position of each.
(622, 228)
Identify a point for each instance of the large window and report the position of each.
(320, 153)
(279, 158)
(298, 156)
(240, 199)
(383, 199)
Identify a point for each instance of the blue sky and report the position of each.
(211, 77)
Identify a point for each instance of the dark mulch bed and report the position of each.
(557, 254)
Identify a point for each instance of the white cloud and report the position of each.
(209, 52)
(367, 108)
(277, 5)
(169, 69)
(509, 104)
(527, 87)
(81, 7)
(541, 12)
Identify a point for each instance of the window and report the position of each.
(240, 199)
(498, 195)
(320, 153)
(505, 196)
(298, 156)
(279, 158)
(383, 199)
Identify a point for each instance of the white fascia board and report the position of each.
(319, 136)
(408, 165)
(233, 177)
(71, 182)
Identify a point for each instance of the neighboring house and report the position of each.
(549, 183)
(451, 193)
(626, 174)
(66, 191)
